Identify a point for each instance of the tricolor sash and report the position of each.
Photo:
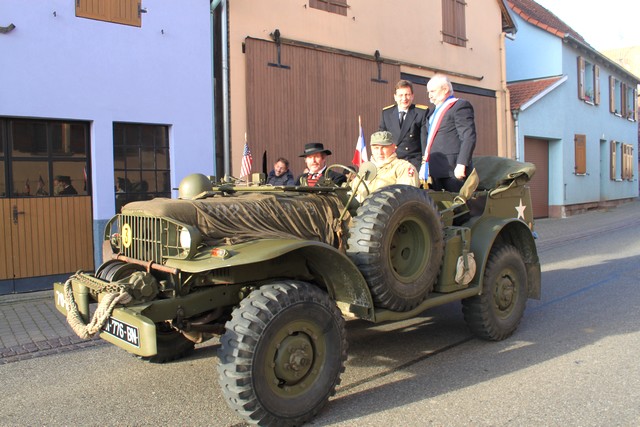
(434, 125)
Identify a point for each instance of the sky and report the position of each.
(604, 25)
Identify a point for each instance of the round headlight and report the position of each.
(185, 239)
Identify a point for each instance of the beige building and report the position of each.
(302, 71)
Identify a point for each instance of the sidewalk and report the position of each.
(30, 325)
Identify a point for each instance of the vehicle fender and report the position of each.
(488, 231)
(260, 260)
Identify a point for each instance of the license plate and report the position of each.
(122, 331)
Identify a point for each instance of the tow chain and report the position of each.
(102, 313)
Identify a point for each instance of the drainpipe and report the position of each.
(225, 82)
(515, 114)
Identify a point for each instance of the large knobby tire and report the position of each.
(496, 313)
(171, 345)
(282, 354)
(396, 240)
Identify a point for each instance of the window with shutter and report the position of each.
(627, 162)
(334, 6)
(127, 12)
(580, 77)
(580, 154)
(454, 27)
(588, 82)
(631, 99)
(596, 84)
(612, 160)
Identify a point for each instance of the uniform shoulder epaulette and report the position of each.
(422, 106)
(389, 106)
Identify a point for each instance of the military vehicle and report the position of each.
(274, 271)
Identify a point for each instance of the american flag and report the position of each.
(247, 160)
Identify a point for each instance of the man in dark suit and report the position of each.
(407, 123)
(315, 157)
(451, 140)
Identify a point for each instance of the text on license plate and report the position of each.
(122, 331)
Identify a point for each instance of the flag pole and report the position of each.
(245, 144)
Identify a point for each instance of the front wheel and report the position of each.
(171, 345)
(496, 313)
(282, 354)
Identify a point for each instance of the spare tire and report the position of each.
(396, 240)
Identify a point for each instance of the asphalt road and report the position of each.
(572, 362)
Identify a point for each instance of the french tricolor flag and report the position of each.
(360, 155)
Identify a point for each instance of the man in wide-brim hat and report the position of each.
(315, 157)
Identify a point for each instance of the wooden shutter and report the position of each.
(623, 99)
(596, 84)
(127, 12)
(581, 78)
(93, 9)
(454, 27)
(580, 154)
(612, 160)
(612, 94)
(333, 6)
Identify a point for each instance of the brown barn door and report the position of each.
(536, 151)
(43, 237)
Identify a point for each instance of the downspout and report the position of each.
(225, 88)
(516, 130)
(212, 36)
(224, 35)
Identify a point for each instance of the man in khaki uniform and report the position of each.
(391, 169)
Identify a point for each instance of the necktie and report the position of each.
(402, 113)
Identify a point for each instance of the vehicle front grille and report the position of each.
(146, 233)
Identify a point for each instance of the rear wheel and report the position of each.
(282, 354)
(496, 313)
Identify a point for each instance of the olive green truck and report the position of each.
(273, 272)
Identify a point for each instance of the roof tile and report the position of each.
(523, 91)
(537, 15)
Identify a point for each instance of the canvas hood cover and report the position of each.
(243, 216)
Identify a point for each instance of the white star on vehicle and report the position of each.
(520, 208)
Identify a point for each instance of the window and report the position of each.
(623, 163)
(34, 154)
(588, 81)
(631, 99)
(617, 93)
(127, 12)
(454, 30)
(580, 154)
(141, 162)
(334, 6)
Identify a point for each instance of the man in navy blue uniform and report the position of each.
(407, 122)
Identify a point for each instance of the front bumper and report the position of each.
(125, 328)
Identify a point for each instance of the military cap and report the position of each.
(382, 137)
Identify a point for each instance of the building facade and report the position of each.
(305, 71)
(116, 95)
(575, 115)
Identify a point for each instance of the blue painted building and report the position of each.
(574, 113)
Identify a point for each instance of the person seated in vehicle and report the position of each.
(315, 157)
(280, 174)
(390, 169)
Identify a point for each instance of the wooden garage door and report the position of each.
(44, 236)
(536, 151)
